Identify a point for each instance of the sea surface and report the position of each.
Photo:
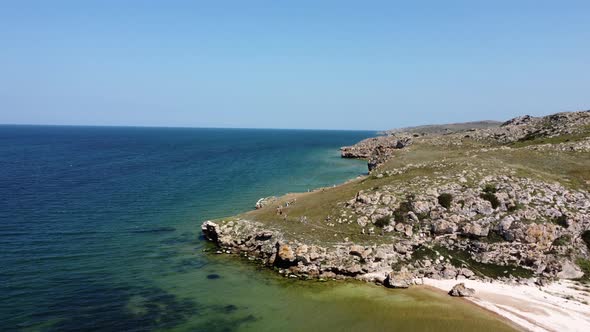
(99, 231)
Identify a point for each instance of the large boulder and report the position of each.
(285, 255)
(210, 231)
(476, 228)
(362, 221)
(360, 251)
(569, 270)
(461, 290)
(442, 226)
(399, 279)
(449, 272)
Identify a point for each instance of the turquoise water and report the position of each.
(99, 230)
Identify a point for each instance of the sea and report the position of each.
(100, 231)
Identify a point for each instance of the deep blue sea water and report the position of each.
(100, 231)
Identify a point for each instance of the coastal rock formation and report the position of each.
(376, 150)
(532, 238)
(399, 279)
(461, 290)
(480, 209)
(265, 201)
(526, 127)
(569, 271)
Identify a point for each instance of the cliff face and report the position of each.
(376, 150)
(509, 202)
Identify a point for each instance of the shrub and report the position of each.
(562, 240)
(490, 188)
(561, 221)
(584, 265)
(586, 238)
(383, 221)
(401, 213)
(493, 237)
(445, 200)
(490, 197)
(416, 228)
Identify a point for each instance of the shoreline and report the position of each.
(525, 307)
(504, 319)
(531, 298)
(555, 307)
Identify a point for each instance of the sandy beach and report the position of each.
(560, 306)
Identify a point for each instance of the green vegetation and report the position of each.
(490, 189)
(563, 240)
(445, 200)
(561, 221)
(584, 265)
(383, 221)
(401, 213)
(459, 258)
(490, 197)
(493, 237)
(489, 194)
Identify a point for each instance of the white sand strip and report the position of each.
(561, 306)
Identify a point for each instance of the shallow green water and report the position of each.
(254, 299)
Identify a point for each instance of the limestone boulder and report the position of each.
(461, 290)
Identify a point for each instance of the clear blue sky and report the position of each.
(290, 64)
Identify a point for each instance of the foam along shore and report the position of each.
(559, 306)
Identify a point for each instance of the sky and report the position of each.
(290, 64)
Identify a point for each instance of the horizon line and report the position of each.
(178, 127)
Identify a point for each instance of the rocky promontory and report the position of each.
(377, 150)
(507, 202)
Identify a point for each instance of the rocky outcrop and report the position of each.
(376, 150)
(532, 224)
(526, 127)
(262, 202)
(296, 258)
(522, 236)
(569, 271)
(461, 290)
(453, 220)
(399, 279)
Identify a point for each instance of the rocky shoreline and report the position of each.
(445, 219)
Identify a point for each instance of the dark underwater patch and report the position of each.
(183, 238)
(189, 264)
(153, 230)
(229, 308)
(100, 307)
(224, 324)
(213, 276)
